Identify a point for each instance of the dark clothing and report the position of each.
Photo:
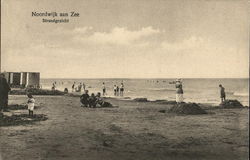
(117, 91)
(92, 101)
(222, 92)
(4, 90)
(84, 96)
(101, 103)
(84, 99)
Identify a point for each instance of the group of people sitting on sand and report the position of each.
(93, 101)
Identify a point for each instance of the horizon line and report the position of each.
(154, 78)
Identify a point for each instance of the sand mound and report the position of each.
(162, 111)
(106, 104)
(141, 99)
(187, 108)
(231, 104)
(21, 119)
(164, 102)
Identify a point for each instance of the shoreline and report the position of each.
(125, 99)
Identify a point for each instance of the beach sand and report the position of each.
(134, 130)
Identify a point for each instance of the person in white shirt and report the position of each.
(179, 90)
(31, 104)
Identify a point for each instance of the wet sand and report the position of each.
(134, 130)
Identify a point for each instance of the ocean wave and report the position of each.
(243, 94)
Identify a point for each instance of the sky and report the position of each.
(127, 38)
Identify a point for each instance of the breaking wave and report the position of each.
(243, 94)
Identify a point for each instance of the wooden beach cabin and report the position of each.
(23, 79)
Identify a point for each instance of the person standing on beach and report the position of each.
(179, 91)
(31, 104)
(4, 92)
(222, 93)
(121, 89)
(103, 89)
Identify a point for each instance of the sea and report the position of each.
(195, 90)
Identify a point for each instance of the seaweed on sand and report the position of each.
(36, 91)
(21, 119)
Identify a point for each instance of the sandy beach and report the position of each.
(133, 130)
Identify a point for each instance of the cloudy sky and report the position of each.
(128, 38)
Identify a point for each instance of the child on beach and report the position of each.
(31, 104)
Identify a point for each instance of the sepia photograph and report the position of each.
(124, 80)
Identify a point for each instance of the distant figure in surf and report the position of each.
(53, 87)
(117, 90)
(121, 89)
(222, 93)
(79, 89)
(114, 90)
(103, 89)
(73, 86)
(83, 86)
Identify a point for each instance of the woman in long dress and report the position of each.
(179, 91)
